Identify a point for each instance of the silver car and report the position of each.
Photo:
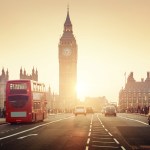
(110, 110)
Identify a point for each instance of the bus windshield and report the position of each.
(18, 101)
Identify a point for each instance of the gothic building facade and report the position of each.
(136, 94)
(4, 77)
(67, 66)
(33, 76)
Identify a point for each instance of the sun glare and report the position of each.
(81, 91)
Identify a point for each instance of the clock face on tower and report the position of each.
(66, 51)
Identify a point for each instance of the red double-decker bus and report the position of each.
(25, 101)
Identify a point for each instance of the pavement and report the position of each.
(2, 120)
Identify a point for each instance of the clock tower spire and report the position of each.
(68, 24)
(67, 54)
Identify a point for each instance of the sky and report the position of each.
(113, 37)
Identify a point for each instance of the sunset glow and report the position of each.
(82, 91)
(112, 36)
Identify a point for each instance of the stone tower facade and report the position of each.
(4, 77)
(67, 66)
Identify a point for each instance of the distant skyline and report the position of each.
(112, 36)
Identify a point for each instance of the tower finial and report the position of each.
(68, 7)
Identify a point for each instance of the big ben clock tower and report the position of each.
(67, 66)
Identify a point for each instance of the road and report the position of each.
(67, 132)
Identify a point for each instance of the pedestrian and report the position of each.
(3, 113)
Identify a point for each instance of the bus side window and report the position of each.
(34, 87)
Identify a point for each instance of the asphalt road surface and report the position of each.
(69, 132)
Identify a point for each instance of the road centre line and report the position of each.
(87, 147)
(123, 148)
(88, 140)
(116, 141)
(89, 134)
(133, 120)
(109, 133)
(34, 128)
(111, 136)
(106, 130)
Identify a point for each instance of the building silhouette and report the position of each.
(136, 94)
(67, 66)
(4, 77)
(33, 76)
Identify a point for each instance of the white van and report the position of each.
(80, 110)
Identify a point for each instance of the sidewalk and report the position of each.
(2, 120)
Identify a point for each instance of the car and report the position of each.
(110, 110)
(80, 110)
(89, 110)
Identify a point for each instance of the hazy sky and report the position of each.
(113, 37)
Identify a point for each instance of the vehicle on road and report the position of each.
(103, 110)
(89, 110)
(80, 110)
(25, 101)
(110, 110)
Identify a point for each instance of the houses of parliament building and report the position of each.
(136, 94)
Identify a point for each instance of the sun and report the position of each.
(81, 91)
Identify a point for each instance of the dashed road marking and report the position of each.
(109, 133)
(89, 134)
(99, 137)
(116, 141)
(88, 140)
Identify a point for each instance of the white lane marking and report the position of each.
(89, 134)
(88, 140)
(114, 147)
(102, 138)
(123, 148)
(116, 141)
(109, 133)
(134, 120)
(90, 130)
(86, 148)
(27, 136)
(5, 137)
(103, 142)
